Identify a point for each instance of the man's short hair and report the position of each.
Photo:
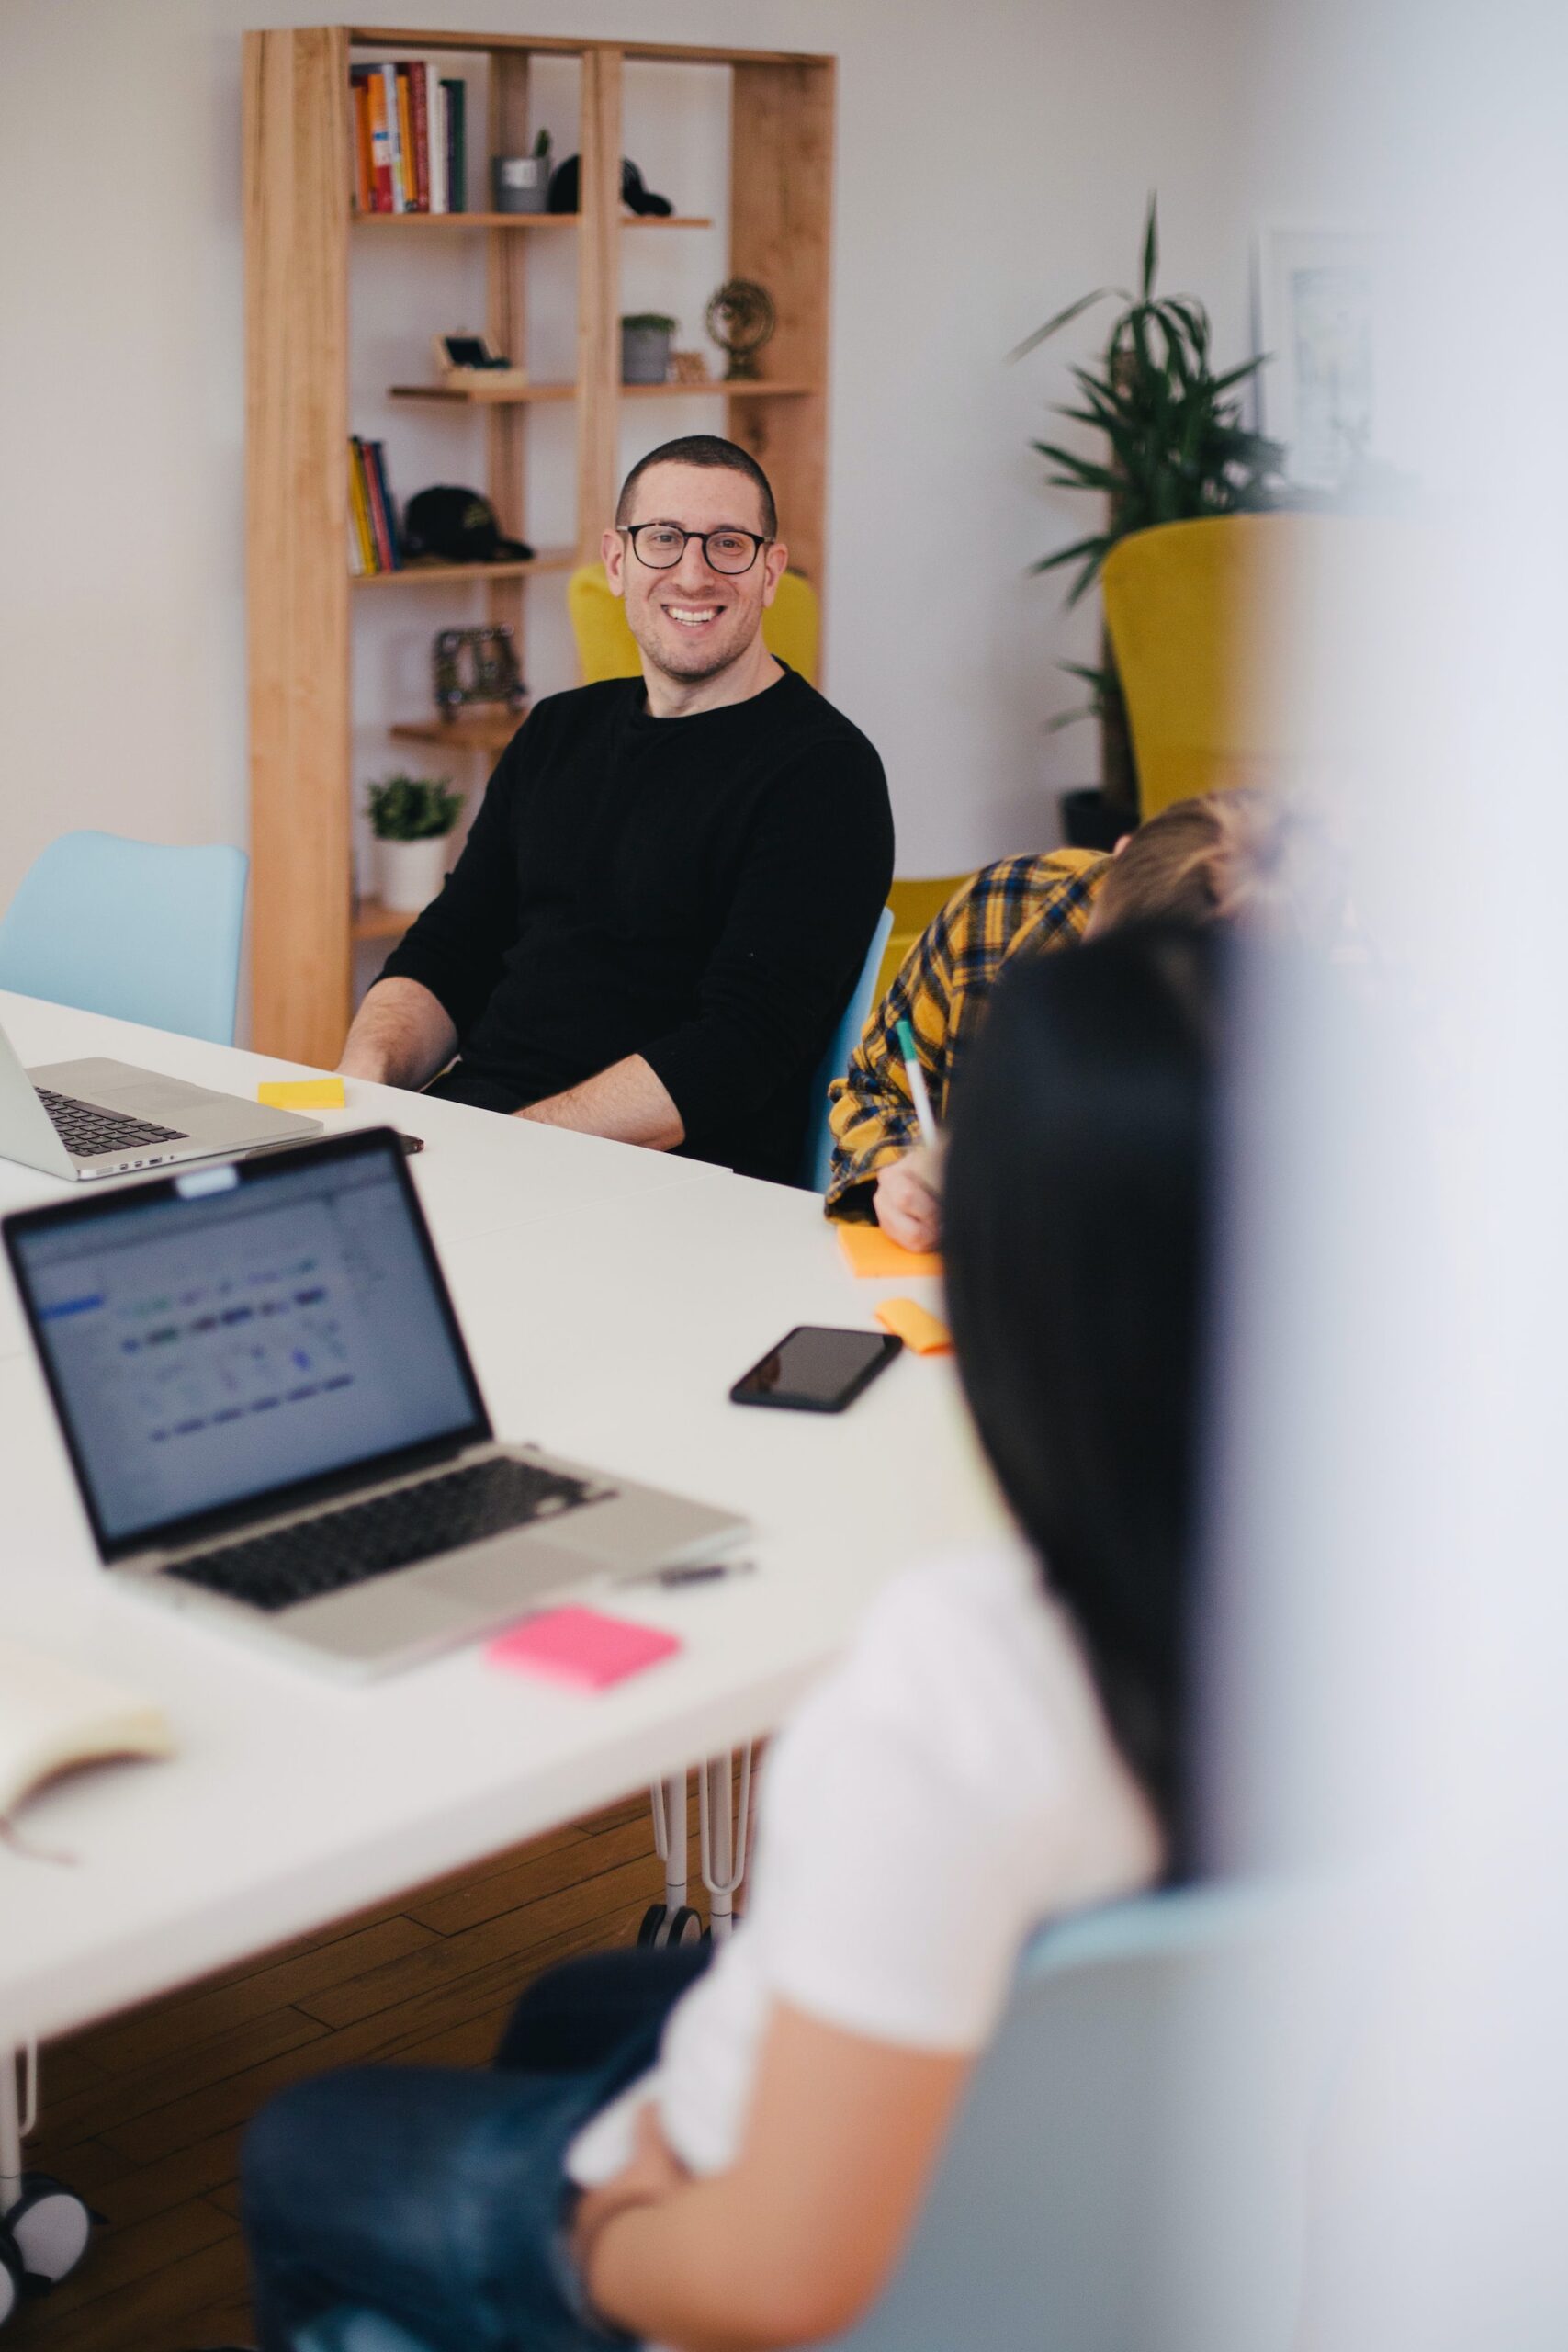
(709, 450)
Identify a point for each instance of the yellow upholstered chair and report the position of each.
(913, 901)
(605, 648)
(1206, 621)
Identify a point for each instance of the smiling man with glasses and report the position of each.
(669, 890)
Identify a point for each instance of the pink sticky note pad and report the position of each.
(580, 1647)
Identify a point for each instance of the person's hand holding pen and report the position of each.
(908, 1199)
(909, 1194)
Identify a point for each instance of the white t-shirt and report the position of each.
(948, 1786)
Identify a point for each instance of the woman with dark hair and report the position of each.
(735, 2163)
(1076, 1251)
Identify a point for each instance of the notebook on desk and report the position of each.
(274, 1422)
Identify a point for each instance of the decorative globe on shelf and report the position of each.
(740, 319)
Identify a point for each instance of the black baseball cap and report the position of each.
(565, 194)
(460, 527)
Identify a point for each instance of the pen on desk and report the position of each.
(917, 1078)
(694, 1572)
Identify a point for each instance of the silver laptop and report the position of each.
(274, 1422)
(86, 1119)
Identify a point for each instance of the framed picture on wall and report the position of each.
(1316, 300)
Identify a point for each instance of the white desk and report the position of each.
(610, 1297)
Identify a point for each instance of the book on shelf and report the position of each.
(408, 137)
(437, 144)
(419, 111)
(408, 177)
(455, 95)
(374, 542)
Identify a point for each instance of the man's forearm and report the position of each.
(627, 1103)
(401, 1035)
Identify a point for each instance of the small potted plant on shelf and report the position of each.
(522, 183)
(412, 817)
(645, 348)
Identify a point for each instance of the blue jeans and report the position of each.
(440, 2198)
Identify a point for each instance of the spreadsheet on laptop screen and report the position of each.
(206, 1349)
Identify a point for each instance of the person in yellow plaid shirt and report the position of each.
(939, 990)
(1195, 862)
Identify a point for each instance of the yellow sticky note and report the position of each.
(303, 1094)
(876, 1257)
(916, 1326)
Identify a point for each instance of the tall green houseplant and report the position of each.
(1176, 449)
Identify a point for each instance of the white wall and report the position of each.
(993, 162)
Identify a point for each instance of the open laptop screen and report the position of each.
(233, 1332)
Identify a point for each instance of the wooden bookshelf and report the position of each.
(425, 572)
(475, 398)
(373, 920)
(299, 225)
(741, 390)
(521, 220)
(470, 396)
(479, 732)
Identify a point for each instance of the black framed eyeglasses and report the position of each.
(660, 546)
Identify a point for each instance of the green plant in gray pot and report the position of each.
(1176, 449)
(412, 818)
(645, 348)
(522, 183)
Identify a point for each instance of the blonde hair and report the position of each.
(1222, 858)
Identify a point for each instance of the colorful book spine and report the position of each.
(359, 503)
(364, 163)
(395, 136)
(381, 144)
(457, 151)
(406, 169)
(419, 111)
(373, 502)
(437, 143)
(387, 546)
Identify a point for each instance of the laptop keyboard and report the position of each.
(88, 1132)
(344, 1547)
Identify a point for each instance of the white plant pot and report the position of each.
(409, 874)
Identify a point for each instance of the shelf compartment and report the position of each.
(465, 219)
(373, 920)
(747, 388)
(489, 733)
(423, 571)
(470, 396)
(522, 221)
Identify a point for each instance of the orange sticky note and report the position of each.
(302, 1093)
(926, 1334)
(876, 1257)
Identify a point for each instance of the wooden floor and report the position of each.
(142, 2116)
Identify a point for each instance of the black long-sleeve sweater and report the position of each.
(699, 890)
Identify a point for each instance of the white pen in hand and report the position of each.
(917, 1082)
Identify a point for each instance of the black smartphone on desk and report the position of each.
(815, 1369)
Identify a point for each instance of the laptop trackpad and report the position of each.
(507, 1576)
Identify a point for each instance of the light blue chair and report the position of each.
(818, 1157)
(139, 930)
(1126, 2175)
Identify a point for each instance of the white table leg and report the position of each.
(16, 2118)
(669, 1836)
(725, 1828)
